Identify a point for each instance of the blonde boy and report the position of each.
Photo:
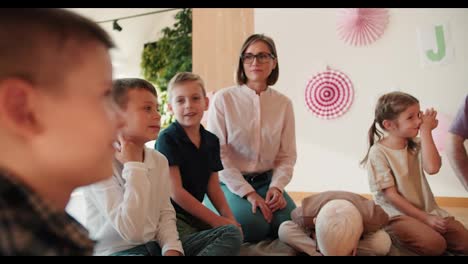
(194, 160)
(57, 125)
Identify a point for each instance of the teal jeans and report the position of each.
(254, 226)
(220, 241)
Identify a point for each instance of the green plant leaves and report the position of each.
(171, 54)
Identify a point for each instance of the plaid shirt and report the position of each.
(28, 226)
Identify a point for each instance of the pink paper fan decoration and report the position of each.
(329, 94)
(361, 26)
(440, 133)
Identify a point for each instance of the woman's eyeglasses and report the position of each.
(248, 58)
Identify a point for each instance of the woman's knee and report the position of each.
(281, 216)
(255, 228)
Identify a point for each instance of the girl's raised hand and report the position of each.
(429, 120)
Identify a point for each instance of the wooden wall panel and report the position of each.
(218, 34)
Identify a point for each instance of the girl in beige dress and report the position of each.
(396, 163)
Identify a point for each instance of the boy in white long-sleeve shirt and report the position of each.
(131, 213)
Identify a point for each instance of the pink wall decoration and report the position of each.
(440, 133)
(329, 94)
(361, 26)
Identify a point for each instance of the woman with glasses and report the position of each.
(255, 126)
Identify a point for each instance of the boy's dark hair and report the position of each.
(121, 87)
(37, 44)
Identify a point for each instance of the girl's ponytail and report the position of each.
(388, 107)
(373, 131)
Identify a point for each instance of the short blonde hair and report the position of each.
(183, 77)
(338, 228)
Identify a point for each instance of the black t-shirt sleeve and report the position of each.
(166, 145)
(216, 164)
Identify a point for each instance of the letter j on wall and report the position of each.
(434, 45)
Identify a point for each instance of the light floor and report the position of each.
(460, 213)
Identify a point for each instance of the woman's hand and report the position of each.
(275, 199)
(257, 201)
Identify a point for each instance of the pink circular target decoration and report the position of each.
(329, 94)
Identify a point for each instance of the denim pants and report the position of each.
(254, 226)
(220, 241)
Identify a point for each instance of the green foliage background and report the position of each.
(172, 53)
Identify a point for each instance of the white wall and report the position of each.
(329, 151)
(135, 33)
